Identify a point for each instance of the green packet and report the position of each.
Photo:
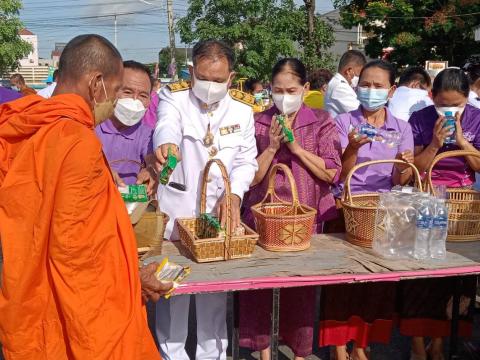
(212, 221)
(286, 131)
(134, 193)
(168, 168)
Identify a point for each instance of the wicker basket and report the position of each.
(463, 204)
(216, 248)
(360, 210)
(283, 226)
(148, 222)
(149, 230)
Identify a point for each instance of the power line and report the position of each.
(383, 17)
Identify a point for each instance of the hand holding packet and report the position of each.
(168, 271)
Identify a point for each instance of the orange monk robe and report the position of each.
(70, 282)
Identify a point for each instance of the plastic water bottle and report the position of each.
(424, 224)
(391, 138)
(450, 122)
(439, 232)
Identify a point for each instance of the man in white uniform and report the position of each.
(341, 97)
(203, 121)
(411, 94)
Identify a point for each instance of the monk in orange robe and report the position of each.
(70, 285)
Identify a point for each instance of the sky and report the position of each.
(139, 36)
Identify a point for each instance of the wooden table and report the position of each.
(330, 260)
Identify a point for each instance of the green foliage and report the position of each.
(261, 31)
(419, 30)
(12, 47)
(164, 59)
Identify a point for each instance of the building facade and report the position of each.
(32, 58)
(345, 39)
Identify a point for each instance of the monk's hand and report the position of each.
(162, 153)
(147, 176)
(222, 211)
(118, 180)
(152, 289)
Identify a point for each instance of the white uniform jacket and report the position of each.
(340, 98)
(183, 120)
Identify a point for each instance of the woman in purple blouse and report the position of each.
(363, 313)
(425, 310)
(314, 158)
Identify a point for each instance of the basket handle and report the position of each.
(271, 185)
(444, 155)
(347, 194)
(228, 199)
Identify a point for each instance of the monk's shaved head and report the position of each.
(89, 53)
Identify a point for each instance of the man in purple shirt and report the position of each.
(7, 95)
(127, 141)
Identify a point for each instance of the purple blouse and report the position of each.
(315, 132)
(150, 117)
(453, 172)
(375, 178)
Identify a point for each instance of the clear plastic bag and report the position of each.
(395, 227)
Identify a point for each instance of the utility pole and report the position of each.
(171, 29)
(115, 20)
(310, 7)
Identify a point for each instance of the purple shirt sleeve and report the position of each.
(329, 147)
(147, 146)
(416, 129)
(342, 122)
(407, 139)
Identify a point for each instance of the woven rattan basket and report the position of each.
(148, 222)
(283, 226)
(360, 210)
(216, 248)
(149, 230)
(463, 204)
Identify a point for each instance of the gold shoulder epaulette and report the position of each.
(179, 86)
(242, 97)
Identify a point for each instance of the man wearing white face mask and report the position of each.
(203, 121)
(341, 97)
(126, 140)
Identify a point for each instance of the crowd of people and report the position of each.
(71, 284)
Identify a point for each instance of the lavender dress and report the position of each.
(315, 131)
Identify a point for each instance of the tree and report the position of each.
(165, 56)
(12, 47)
(418, 30)
(260, 31)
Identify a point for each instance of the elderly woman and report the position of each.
(314, 158)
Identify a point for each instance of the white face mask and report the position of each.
(453, 109)
(129, 111)
(355, 80)
(288, 104)
(209, 92)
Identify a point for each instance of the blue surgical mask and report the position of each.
(15, 88)
(372, 99)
